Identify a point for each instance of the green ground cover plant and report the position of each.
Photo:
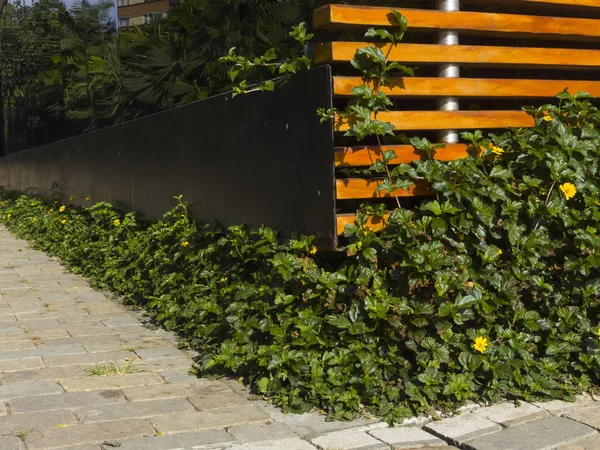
(489, 290)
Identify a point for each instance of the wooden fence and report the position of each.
(504, 54)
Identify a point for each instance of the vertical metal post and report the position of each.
(448, 70)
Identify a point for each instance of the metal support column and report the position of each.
(448, 70)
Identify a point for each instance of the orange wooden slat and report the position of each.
(373, 223)
(366, 156)
(470, 87)
(330, 52)
(349, 188)
(335, 16)
(449, 120)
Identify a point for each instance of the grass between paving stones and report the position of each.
(113, 368)
(488, 290)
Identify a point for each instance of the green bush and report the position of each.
(489, 290)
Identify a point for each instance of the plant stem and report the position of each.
(545, 204)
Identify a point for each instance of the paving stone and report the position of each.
(159, 353)
(65, 401)
(12, 330)
(17, 345)
(90, 383)
(88, 359)
(461, 428)
(310, 425)
(545, 434)
(205, 401)
(407, 438)
(178, 376)
(18, 422)
(109, 344)
(194, 440)
(37, 388)
(510, 415)
(48, 334)
(591, 443)
(284, 444)
(69, 349)
(261, 432)
(589, 416)
(161, 365)
(51, 438)
(173, 390)
(206, 420)
(42, 374)
(149, 342)
(560, 407)
(348, 440)
(11, 443)
(139, 410)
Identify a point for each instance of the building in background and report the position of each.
(141, 12)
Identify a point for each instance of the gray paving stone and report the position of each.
(37, 388)
(17, 345)
(205, 401)
(69, 349)
(407, 438)
(89, 359)
(544, 434)
(90, 383)
(42, 374)
(206, 420)
(47, 334)
(159, 353)
(591, 443)
(65, 401)
(261, 432)
(97, 433)
(18, 422)
(139, 410)
(284, 444)
(589, 416)
(178, 376)
(560, 407)
(196, 440)
(161, 365)
(462, 428)
(11, 443)
(12, 330)
(173, 390)
(509, 415)
(348, 440)
(15, 365)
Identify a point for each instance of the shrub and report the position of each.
(489, 290)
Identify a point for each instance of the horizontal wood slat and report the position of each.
(469, 87)
(331, 52)
(350, 188)
(449, 120)
(373, 223)
(366, 156)
(562, 3)
(515, 25)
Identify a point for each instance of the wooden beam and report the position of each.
(470, 87)
(511, 25)
(373, 223)
(366, 156)
(524, 57)
(449, 120)
(351, 188)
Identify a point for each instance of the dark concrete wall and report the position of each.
(261, 158)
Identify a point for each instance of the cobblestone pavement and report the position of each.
(55, 331)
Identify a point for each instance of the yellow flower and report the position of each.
(500, 252)
(9, 216)
(88, 198)
(547, 118)
(598, 333)
(63, 221)
(150, 271)
(224, 279)
(62, 208)
(569, 190)
(480, 344)
(313, 250)
(20, 224)
(185, 244)
(117, 222)
(72, 197)
(34, 219)
(497, 150)
(32, 204)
